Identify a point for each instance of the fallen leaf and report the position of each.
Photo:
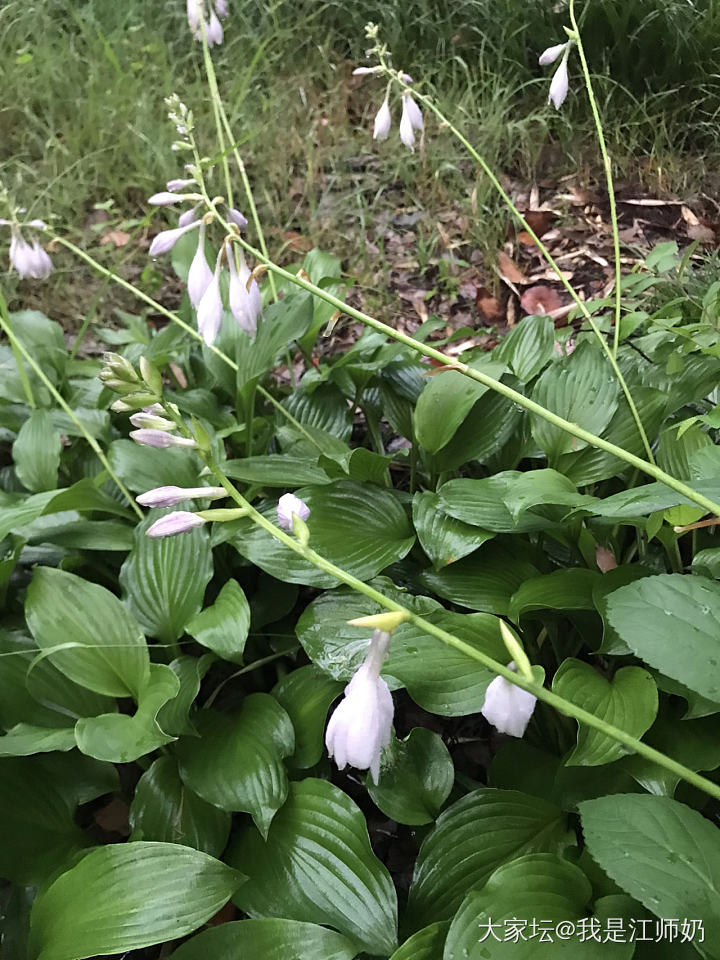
(117, 237)
(605, 559)
(540, 300)
(700, 232)
(487, 304)
(509, 270)
(539, 221)
(179, 375)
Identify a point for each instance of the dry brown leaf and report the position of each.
(700, 232)
(605, 559)
(488, 305)
(539, 221)
(179, 375)
(509, 270)
(117, 237)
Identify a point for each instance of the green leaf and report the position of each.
(108, 653)
(694, 743)
(416, 778)
(144, 468)
(486, 429)
(38, 798)
(119, 738)
(317, 865)
(651, 615)
(528, 347)
(164, 579)
(540, 488)
(539, 887)
(582, 389)
(438, 677)
(361, 529)
(126, 896)
(443, 538)
(426, 944)
(569, 589)
(72, 532)
(282, 322)
(173, 717)
(662, 853)
(481, 503)
(224, 626)
(236, 763)
(486, 580)
(165, 809)
(446, 401)
(23, 740)
(306, 695)
(471, 839)
(267, 939)
(628, 701)
(36, 452)
(276, 470)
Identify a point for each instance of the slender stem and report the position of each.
(548, 257)
(554, 700)
(22, 373)
(651, 469)
(19, 348)
(608, 173)
(207, 59)
(648, 468)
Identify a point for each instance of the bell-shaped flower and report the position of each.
(210, 308)
(221, 8)
(560, 82)
(245, 304)
(177, 184)
(189, 216)
(179, 521)
(507, 707)
(413, 111)
(234, 216)
(200, 275)
(213, 30)
(29, 260)
(172, 496)
(42, 262)
(361, 725)
(383, 121)
(152, 421)
(165, 199)
(160, 439)
(408, 121)
(166, 240)
(288, 504)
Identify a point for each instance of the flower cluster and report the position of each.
(199, 19)
(28, 259)
(560, 83)
(411, 118)
(361, 725)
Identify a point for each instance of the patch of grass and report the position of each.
(83, 118)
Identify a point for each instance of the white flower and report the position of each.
(210, 308)
(199, 275)
(364, 71)
(166, 240)
(214, 30)
(407, 127)
(221, 8)
(29, 260)
(413, 111)
(383, 121)
(361, 726)
(152, 421)
(174, 185)
(160, 439)
(190, 216)
(507, 707)
(165, 198)
(245, 305)
(234, 216)
(288, 504)
(559, 83)
(172, 496)
(180, 521)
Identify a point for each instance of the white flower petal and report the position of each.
(383, 122)
(507, 707)
(551, 54)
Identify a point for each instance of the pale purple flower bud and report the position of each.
(190, 216)
(364, 71)
(413, 111)
(160, 439)
(407, 130)
(172, 496)
(152, 421)
(180, 521)
(234, 216)
(165, 241)
(164, 199)
(210, 307)
(551, 54)
(42, 263)
(245, 305)
(200, 275)
(213, 30)
(507, 707)
(221, 8)
(406, 78)
(361, 725)
(383, 122)
(288, 504)
(173, 185)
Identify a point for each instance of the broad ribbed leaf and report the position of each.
(164, 808)
(23, 740)
(662, 853)
(317, 865)
(426, 944)
(471, 839)
(672, 622)
(126, 896)
(628, 701)
(481, 503)
(276, 470)
(362, 529)
(580, 388)
(223, 627)
(236, 762)
(306, 695)
(444, 538)
(528, 347)
(569, 589)
(36, 452)
(108, 653)
(164, 579)
(267, 939)
(416, 777)
(144, 468)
